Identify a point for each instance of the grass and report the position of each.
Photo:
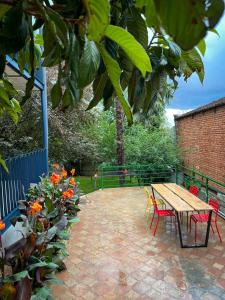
(87, 183)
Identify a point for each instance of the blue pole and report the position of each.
(44, 118)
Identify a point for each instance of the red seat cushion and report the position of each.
(165, 212)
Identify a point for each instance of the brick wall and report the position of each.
(201, 137)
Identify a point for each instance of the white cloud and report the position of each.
(170, 112)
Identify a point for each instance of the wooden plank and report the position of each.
(171, 198)
(188, 197)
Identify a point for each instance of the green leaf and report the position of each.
(3, 164)
(131, 47)
(63, 234)
(215, 31)
(57, 245)
(21, 60)
(29, 88)
(2, 64)
(98, 88)
(89, 63)
(56, 94)
(43, 293)
(4, 98)
(136, 25)
(13, 110)
(194, 63)
(174, 48)
(74, 220)
(202, 46)
(51, 233)
(67, 98)
(53, 57)
(39, 39)
(41, 264)
(16, 277)
(52, 279)
(60, 26)
(14, 30)
(114, 73)
(188, 21)
(98, 17)
(150, 12)
(3, 9)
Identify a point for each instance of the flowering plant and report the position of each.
(50, 208)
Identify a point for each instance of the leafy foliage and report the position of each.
(146, 146)
(195, 17)
(72, 32)
(105, 43)
(144, 142)
(68, 142)
(51, 207)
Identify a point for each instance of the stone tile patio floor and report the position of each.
(112, 255)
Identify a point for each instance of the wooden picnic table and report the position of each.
(181, 200)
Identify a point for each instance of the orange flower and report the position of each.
(55, 178)
(72, 181)
(35, 208)
(2, 225)
(68, 194)
(72, 172)
(56, 166)
(64, 173)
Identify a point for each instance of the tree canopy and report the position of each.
(118, 45)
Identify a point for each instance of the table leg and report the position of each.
(153, 192)
(179, 230)
(208, 228)
(187, 221)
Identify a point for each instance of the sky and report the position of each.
(193, 94)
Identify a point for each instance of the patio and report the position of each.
(113, 256)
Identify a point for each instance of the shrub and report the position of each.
(50, 208)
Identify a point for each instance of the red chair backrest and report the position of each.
(194, 190)
(154, 204)
(215, 204)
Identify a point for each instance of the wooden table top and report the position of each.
(179, 198)
(171, 198)
(188, 197)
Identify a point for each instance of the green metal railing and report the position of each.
(144, 175)
(135, 175)
(209, 187)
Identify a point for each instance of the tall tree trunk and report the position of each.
(120, 139)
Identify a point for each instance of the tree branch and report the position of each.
(154, 35)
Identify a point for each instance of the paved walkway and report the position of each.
(113, 256)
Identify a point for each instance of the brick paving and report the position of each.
(113, 255)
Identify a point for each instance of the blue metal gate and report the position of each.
(23, 170)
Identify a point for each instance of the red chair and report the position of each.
(203, 218)
(194, 190)
(160, 213)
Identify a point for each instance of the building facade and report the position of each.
(201, 137)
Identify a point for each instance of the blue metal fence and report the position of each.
(23, 170)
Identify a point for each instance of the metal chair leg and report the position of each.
(187, 220)
(190, 225)
(156, 226)
(152, 220)
(195, 232)
(212, 228)
(218, 232)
